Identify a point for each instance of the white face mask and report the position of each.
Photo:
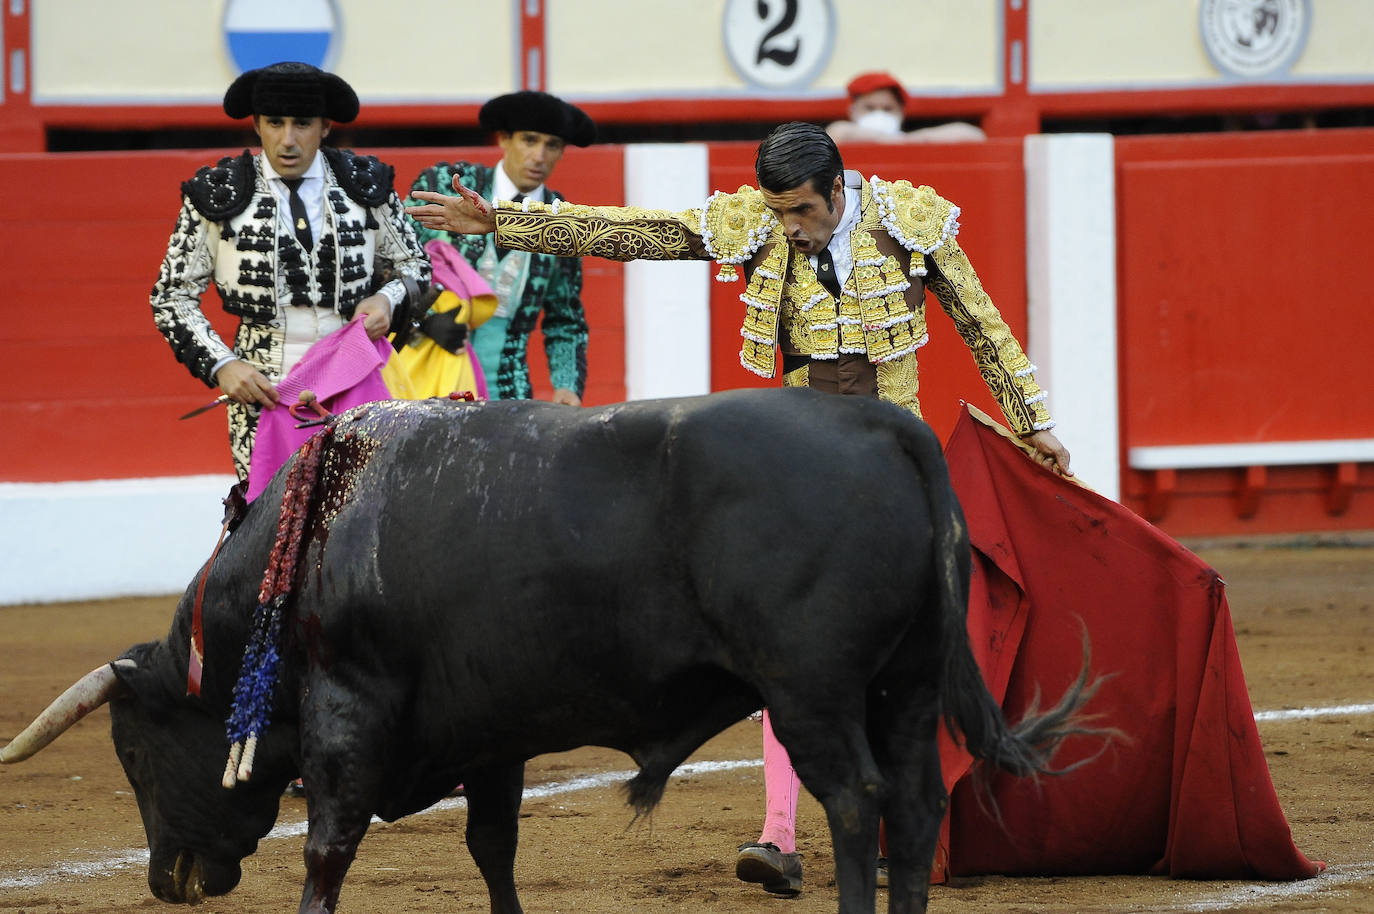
(881, 121)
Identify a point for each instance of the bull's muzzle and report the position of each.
(190, 880)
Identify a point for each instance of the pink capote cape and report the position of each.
(342, 370)
(1188, 794)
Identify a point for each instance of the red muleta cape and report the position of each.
(1188, 793)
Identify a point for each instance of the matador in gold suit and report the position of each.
(886, 242)
(903, 240)
(835, 272)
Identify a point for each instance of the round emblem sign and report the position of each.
(262, 32)
(1254, 38)
(778, 44)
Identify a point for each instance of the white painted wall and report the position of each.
(110, 538)
(1071, 296)
(667, 304)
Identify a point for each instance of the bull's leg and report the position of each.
(915, 804)
(493, 829)
(833, 760)
(329, 850)
(342, 765)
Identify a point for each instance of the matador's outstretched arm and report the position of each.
(567, 229)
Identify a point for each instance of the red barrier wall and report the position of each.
(88, 388)
(987, 181)
(1244, 316)
(1242, 310)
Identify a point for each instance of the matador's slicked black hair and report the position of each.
(795, 154)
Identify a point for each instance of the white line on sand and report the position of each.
(1248, 894)
(124, 859)
(1299, 713)
(1264, 894)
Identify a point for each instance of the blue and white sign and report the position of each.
(262, 32)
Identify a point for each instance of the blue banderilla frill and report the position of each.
(252, 708)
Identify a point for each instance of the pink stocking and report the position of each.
(780, 787)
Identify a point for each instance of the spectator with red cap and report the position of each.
(877, 104)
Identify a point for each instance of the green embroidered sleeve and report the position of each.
(564, 325)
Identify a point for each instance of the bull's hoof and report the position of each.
(764, 864)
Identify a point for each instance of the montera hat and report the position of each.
(539, 111)
(865, 83)
(291, 89)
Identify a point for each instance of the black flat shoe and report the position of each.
(778, 873)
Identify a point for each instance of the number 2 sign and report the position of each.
(778, 44)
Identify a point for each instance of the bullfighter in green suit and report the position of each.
(533, 129)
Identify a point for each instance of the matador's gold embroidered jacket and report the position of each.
(903, 242)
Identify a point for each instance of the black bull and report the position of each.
(482, 583)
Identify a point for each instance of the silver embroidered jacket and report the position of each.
(228, 234)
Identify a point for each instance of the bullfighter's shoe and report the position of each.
(882, 872)
(777, 872)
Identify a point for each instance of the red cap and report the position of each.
(865, 83)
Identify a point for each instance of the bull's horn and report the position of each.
(90, 692)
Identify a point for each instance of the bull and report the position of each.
(482, 583)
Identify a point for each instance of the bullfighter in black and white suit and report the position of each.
(293, 240)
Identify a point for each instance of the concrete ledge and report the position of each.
(1071, 296)
(66, 541)
(1265, 453)
(667, 305)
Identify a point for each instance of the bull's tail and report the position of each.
(969, 709)
(1027, 747)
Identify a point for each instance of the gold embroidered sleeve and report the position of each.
(613, 232)
(1001, 361)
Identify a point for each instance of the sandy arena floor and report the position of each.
(72, 841)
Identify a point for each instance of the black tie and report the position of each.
(298, 213)
(825, 272)
(500, 251)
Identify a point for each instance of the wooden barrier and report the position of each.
(1242, 320)
(1244, 330)
(88, 388)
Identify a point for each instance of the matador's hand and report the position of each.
(245, 384)
(375, 313)
(466, 214)
(1049, 452)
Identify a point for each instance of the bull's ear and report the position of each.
(134, 667)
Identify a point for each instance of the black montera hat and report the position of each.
(291, 89)
(529, 110)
